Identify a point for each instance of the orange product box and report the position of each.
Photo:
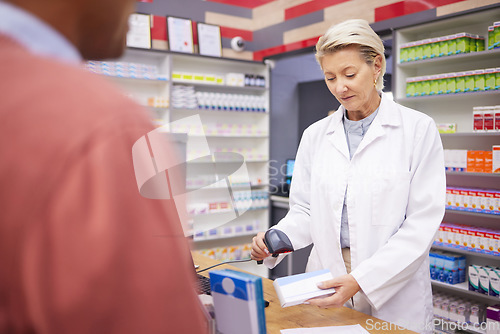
(473, 244)
(496, 244)
(488, 161)
(464, 200)
(471, 161)
(456, 236)
(496, 194)
(449, 197)
(448, 235)
(475, 200)
(490, 205)
(490, 241)
(465, 237)
(456, 196)
(496, 159)
(483, 200)
(479, 161)
(481, 240)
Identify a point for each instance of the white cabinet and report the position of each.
(227, 150)
(456, 108)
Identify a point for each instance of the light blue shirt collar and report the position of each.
(359, 127)
(35, 35)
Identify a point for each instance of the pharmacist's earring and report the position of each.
(375, 83)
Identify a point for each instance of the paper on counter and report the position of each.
(354, 329)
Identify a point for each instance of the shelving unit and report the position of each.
(211, 179)
(447, 108)
(456, 108)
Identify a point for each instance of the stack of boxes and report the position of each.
(473, 161)
(486, 118)
(125, 70)
(454, 82)
(494, 36)
(484, 280)
(230, 253)
(449, 45)
(441, 47)
(460, 310)
(473, 200)
(469, 238)
(447, 267)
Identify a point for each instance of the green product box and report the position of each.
(497, 78)
(496, 31)
(480, 44)
(442, 84)
(451, 83)
(452, 45)
(426, 86)
(434, 47)
(426, 49)
(472, 43)
(434, 85)
(419, 50)
(460, 82)
(491, 37)
(463, 45)
(478, 80)
(410, 87)
(403, 53)
(418, 86)
(443, 46)
(469, 81)
(411, 51)
(489, 78)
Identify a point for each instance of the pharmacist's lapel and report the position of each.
(335, 133)
(386, 116)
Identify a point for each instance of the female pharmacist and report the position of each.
(368, 188)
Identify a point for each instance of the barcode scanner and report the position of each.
(277, 243)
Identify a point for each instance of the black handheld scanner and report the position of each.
(277, 243)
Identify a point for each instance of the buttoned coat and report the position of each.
(395, 190)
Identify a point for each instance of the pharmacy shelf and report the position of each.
(494, 134)
(233, 187)
(450, 97)
(216, 111)
(466, 252)
(230, 136)
(447, 324)
(256, 143)
(225, 237)
(452, 59)
(447, 108)
(488, 175)
(221, 87)
(473, 214)
(199, 161)
(162, 81)
(221, 212)
(464, 289)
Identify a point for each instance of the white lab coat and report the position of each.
(396, 190)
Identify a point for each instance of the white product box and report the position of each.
(496, 158)
(296, 289)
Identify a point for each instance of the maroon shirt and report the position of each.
(80, 250)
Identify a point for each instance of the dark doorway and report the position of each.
(315, 101)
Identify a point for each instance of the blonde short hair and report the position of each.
(353, 32)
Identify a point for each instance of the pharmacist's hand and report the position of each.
(259, 249)
(345, 286)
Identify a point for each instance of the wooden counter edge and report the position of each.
(278, 318)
